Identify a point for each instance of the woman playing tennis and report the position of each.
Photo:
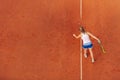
(86, 42)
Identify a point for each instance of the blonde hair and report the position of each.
(82, 29)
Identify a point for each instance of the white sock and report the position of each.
(85, 55)
(93, 60)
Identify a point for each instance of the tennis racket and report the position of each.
(102, 48)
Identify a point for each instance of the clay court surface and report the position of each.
(36, 41)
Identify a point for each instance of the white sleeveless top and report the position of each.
(85, 38)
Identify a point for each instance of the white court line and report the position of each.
(81, 71)
(81, 9)
(81, 60)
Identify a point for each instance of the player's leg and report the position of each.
(85, 53)
(91, 53)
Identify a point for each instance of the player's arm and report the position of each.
(77, 36)
(94, 37)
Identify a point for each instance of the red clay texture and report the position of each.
(36, 41)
